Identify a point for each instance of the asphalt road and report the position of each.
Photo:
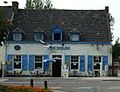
(69, 84)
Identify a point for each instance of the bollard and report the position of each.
(31, 82)
(45, 85)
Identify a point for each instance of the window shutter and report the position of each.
(67, 61)
(9, 60)
(105, 62)
(24, 62)
(82, 63)
(31, 62)
(46, 64)
(90, 67)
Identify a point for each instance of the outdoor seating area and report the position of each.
(27, 74)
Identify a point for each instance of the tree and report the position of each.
(116, 49)
(38, 4)
(5, 27)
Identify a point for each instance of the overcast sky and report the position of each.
(114, 6)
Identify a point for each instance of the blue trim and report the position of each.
(67, 61)
(35, 42)
(90, 63)
(24, 62)
(82, 63)
(104, 61)
(46, 64)
(57, 29)
(9, 59)
(31, 62)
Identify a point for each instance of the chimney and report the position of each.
(107, 9)
(15, 7)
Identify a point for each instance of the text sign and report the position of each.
(59, 48)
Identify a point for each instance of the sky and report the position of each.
(114, 6)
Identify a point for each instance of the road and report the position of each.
(69, 84)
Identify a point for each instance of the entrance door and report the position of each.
(56, 68)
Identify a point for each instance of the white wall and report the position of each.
(75, 49)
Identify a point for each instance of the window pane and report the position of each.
(74, 65)
(74, 37)
(74, 62)
(57, 36)
(38, 36)
(17, 61)
(38, 62)
(38, 65)
(17, 37)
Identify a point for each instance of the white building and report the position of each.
(77, 41)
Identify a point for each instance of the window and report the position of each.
(74, 62)
(38, 36)
(17, 36)
(74, 37)
(57, 36)
(17, 61)
(38, 62)
(97, 61)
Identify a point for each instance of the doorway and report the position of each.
(56, 66)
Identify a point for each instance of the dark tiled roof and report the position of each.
(93, 25)
(5, 12)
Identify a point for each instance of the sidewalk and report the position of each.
(70, 78)
(3, 79)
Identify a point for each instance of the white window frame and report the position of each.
(38, 62)
(17, 36)
(72, 37)
(77, 62)
(17, 57)
(38, 36)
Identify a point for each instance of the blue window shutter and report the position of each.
(90, 66)
(82, 63)
(24, 62)
(31, 62)
(52, 36)
(105, 62)
(67, 61)
(9, 59)
(46, 64)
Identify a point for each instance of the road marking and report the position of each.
(114, 87)
(84, 88)
(55, 88)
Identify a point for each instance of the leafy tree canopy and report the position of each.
(5, 27)
(116, 49)
(38, 4)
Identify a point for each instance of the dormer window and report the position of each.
(17, 36)
(75, 36)
(38, 36)
(57, 34)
